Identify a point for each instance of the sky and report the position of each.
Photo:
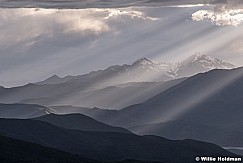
(41, 38)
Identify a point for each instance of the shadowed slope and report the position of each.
(13, 150)
(79, 122)
(22, 110)
(214, 97)
(225, 135)
(211, 100)
(108, 146)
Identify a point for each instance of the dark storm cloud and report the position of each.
(112, 3)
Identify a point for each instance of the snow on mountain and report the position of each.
(199, 63)
(162, 71)
(207, 62)
(146, 70)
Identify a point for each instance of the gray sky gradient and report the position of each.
(37, 43)
(111, 3)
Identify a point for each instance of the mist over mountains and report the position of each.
(109, 88)
(203, 107)
(200, 107)
(109, 36)
(111, 81)
(146, 70)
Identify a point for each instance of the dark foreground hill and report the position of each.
(107, 146)
(224, 135)
(13, 151)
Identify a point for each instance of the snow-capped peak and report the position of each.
(194, 64)
(144, 61)
(206, 62)
(202, 57)
(151, 66)
(55, 77)
(197, 58)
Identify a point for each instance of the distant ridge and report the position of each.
(79, 122)
(146, 70)
(23, 111)
(109, 88)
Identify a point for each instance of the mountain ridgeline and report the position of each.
(156, 111)
(107, 146)
(206, 107)
(109, 88)
(146, 70)
(79, 122)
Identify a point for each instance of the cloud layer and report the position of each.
(222, 18)
(50, 22)
(223, 14)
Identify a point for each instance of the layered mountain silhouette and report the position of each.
(206, 107)
(14, 150)
(22, 110)
(210, 101)
(146, 70)
(79, 122)
(226, 135)
(109, 88)
(108, 146)
(112, 97)
(209, 97)
(79, 94)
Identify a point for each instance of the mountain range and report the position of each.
(109, 88)
(207, 106)
(146, 70)
(199, 98)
